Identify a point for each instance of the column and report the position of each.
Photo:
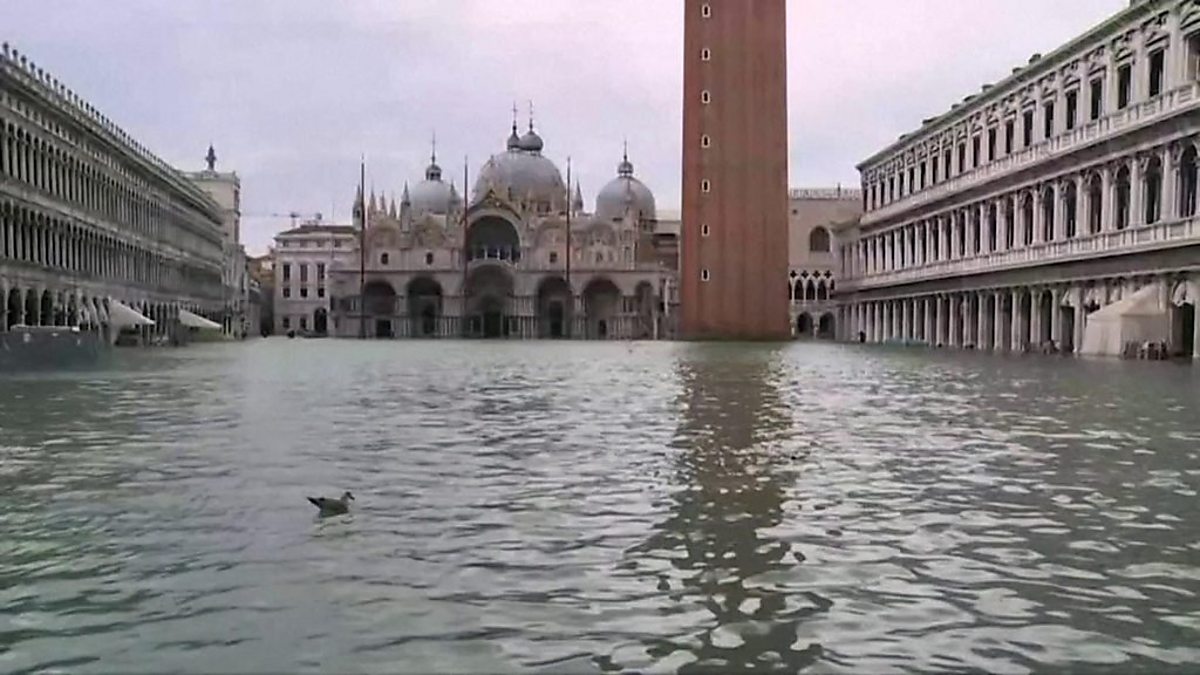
(998, 321)
(1136, 217)
(1056, 316)
(1002, 223)
(1038, 224)
(981, 331)
(1080, 319)
(906, 319)
(955, 318)
(1035, 317)
(1060, 225)
(944, 232)
(985, 226)
(1108, 209)
(1171, 155)
(1015, 326)
(927, 319)
(939, 335)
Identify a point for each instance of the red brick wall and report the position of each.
(746, 252)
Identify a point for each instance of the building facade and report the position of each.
(225, 188)
(735, 145)
(1053, 210)
(522, 258)
(89, 217)
(303, 261)
(814, 214)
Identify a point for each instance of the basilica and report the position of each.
(520, 258)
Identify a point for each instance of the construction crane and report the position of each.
(294, 215)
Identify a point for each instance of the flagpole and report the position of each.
(570, 291)
(362, 251)
(462, 312)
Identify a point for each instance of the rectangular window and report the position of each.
(304, 323)
(1193, 56)
(320, 271)
(946, 164)
(933, 166)
(287, 291)
(704, 275)
(1048, 119)
(975, 159)
(287, 322)
(704, 231)
(1156, 73)
(304, 291)
(1097, 95)
(287, 271)
(1124, 85)
(922, 175)
(991, 146)
(901, 183)
(962, 157)
(892, 189)
(304, 274)
(705, 186)
(912, 183)
(1009, 131)
(320, 291)
(1027, 128)
(1072, 108)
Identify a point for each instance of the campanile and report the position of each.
(733, 276)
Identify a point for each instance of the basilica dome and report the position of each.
(625, 191)
(523, 174)
(432, 195)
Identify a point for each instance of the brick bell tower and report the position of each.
(734, 265)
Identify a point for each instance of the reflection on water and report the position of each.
(599, 507)
(714, 551)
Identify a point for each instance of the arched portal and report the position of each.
(489, 302)
(493, 238)
(13, 305)
(554, 305)
(424, 307)
(803, 325)
(825, 326)
(645, 303)
(601, 302)
(379, 308)
(320, 321)
(46, 315)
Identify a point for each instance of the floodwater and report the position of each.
(582, 507)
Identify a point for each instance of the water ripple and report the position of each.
(598, 508)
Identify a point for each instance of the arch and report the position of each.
(601, 305)
(320, 323)
(1122, 197)
(822, 293)
(555, 307)
(1070, 197)
(1027, 219)
(991, 227)
(13, 307)
(1187, 181)
(825, 326)
(1048, 213)
(645, 302)
(1010, 231)
(818, 240)
(379, 307)
(493, 237)
(46, 315)
(425, 303)
(810, 291)
(804, 325)
(1153, 183)
(489, 292)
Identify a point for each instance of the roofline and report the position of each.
(1041, 65)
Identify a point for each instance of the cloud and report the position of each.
(293, 92)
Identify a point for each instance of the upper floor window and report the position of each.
(1097, 96)
(705, 141)
(704, 231)
(706, 54)
(1193, 56)
(1156, 72)
(383, 258)
(706, 10)
(1027, 128)
(705, 97)
(1048, 119)
(1124, 85)
(287, 271)
(818, 240)
(429, 257)
(1009, 131)
(1072, 109)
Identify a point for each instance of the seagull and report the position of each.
(333, 507)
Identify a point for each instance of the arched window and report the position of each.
(1187, 180)
(1027, 220)
(818, 240)
(1122, 198)
(1048, 214)
(383, 258)
(1070, 199)
(1154, 183)
(1095, 203)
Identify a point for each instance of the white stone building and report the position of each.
(1057, 192)
(303, 258)
(89, 218)
(814, 214)
(500, 268)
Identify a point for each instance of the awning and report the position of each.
(121, 315)
(196, 321)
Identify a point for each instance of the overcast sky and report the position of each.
(292, 92)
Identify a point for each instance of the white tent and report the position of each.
(122, 315)
(1137, 318)
(196, 321)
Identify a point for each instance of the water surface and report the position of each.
(599, 507)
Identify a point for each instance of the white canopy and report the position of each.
(121, 315)
(1137, 318)
(196, 321)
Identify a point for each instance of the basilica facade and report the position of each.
(520, 257)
